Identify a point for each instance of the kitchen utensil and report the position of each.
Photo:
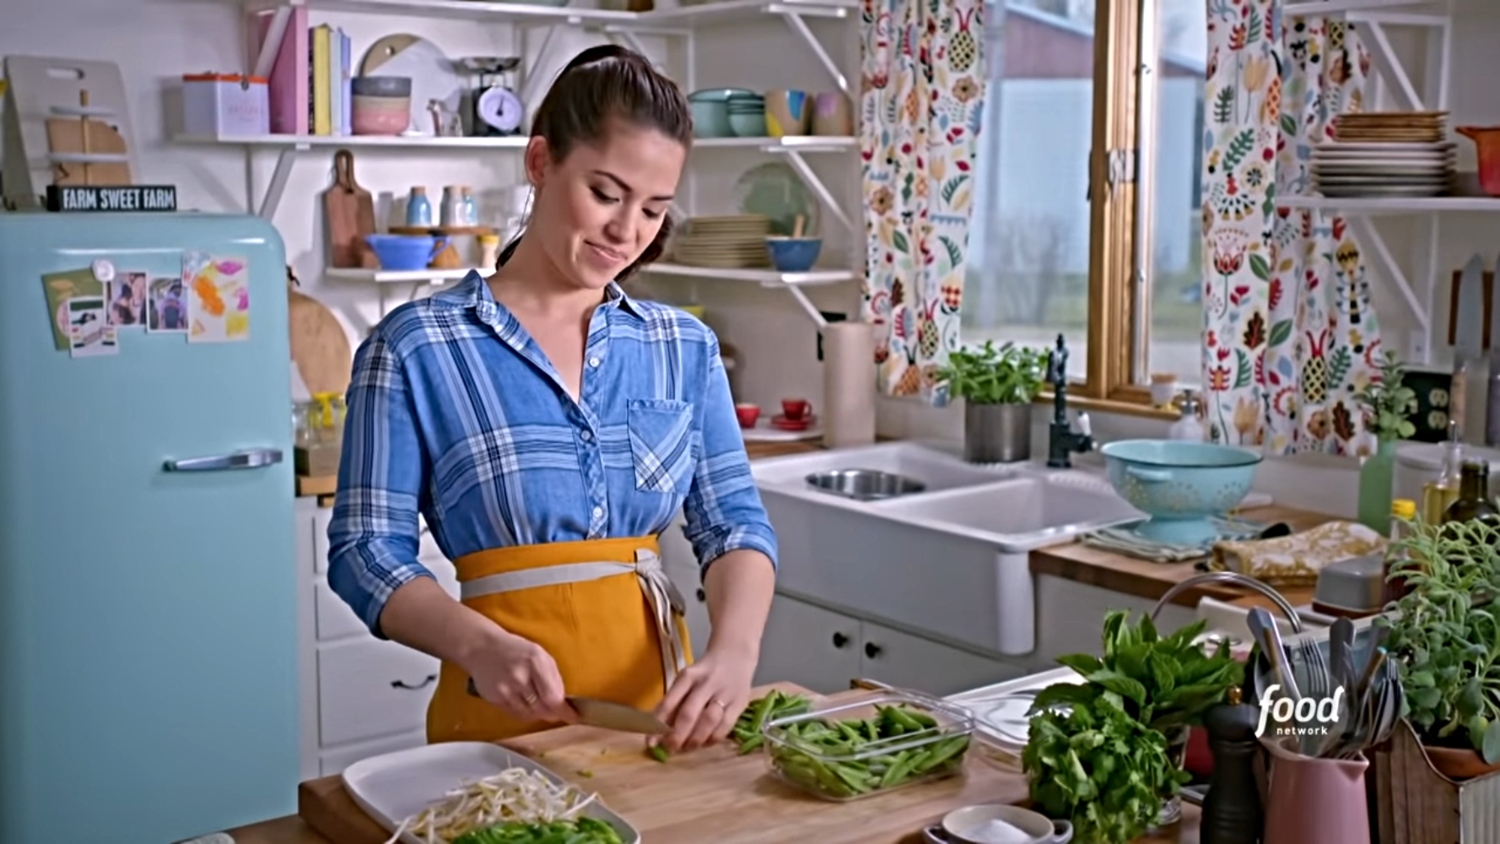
(349, 212)
(1467, 336)
(319, 344)
(1269, 636)
(617, 716)
(1341, 653)
(606, 714)
(1180, 485)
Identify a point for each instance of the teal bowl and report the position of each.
(710, 119)
(1181, 485)
(751, 125)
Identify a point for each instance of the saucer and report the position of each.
(785, 424)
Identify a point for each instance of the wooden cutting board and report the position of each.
(320, 347)
(711, 795)
(350, 213)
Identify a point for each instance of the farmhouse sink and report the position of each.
(1030, 510)
(950, 559)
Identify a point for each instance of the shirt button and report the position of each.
(598, 512)
(585, 436)
(594, 362)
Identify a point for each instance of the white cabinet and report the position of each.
(360, 696)
(824, 650)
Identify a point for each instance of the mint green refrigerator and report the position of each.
(148, 640)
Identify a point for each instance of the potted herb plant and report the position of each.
(998, 385)
(1388, 405)
(1445, 635)
(1164, 684)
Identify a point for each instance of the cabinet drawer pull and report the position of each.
(872, 650)
(401, 684)
(840, 640)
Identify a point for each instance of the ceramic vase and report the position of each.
(1376, 476)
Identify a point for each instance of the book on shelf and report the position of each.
(310, 69)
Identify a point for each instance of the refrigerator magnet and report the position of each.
(104, 270)
(218, 290)
(166, 306)
(127, 299)
(89, 331)
(61, 288)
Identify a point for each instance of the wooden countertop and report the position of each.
(710, 795)
(1145, 579)
(760, 450)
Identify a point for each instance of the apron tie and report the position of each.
(665, 600)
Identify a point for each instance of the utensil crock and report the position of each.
(1316, 801)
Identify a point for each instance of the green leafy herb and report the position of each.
(856, 756)
(1444, 634)
(1009, 374)
(1389, 403)
(1099, 766)
(1165, 682)
(580, 831)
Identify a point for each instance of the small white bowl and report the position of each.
(964, 826)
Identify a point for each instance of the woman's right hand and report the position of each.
(519, 676)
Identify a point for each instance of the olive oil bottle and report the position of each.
(1473, 500)
(1439, 495)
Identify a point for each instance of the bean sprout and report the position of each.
(515, 794)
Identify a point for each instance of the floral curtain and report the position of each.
(921, 100)
(1290, 334)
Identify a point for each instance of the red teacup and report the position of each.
(794, 410)
(748, 414)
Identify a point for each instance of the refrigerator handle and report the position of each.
(251, 459)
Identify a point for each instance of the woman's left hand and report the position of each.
(706, 699)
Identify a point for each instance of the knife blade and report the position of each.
(617, 716)
(608, 715)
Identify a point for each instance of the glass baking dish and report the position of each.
(869, 745)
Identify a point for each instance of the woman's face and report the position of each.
(598, 209)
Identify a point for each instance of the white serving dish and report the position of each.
(394, 786)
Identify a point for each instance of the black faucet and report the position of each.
(1062, 440)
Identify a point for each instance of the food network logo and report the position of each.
(1302, 717)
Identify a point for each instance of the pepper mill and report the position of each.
(1231, 809)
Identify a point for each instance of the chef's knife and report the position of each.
(609, 715)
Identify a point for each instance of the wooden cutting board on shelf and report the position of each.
(350, 214)
(708, 795)
(320, 347)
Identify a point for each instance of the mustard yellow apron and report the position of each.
(603, 608)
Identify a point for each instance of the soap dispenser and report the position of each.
(1187, 427)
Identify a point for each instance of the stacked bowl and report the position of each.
(728, 113)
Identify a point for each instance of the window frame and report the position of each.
(1118, 283)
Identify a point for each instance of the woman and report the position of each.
(548, 427)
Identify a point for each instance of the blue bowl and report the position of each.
(405, 251)
(793, 254)
(1180, 485)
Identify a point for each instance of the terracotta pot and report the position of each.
(1458, 764)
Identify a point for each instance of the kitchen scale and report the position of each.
(495, 108)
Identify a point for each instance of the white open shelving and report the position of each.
(1374, 19)
(621, 27)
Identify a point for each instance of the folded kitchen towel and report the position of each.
(1297, 559)
(1125, 540)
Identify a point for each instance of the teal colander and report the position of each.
(1181, 485)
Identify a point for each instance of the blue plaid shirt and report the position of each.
(454, 412)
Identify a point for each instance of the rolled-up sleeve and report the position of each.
(723, 509)
(373, 536)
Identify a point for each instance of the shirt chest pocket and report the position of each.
(661, 444)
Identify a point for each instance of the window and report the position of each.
(1068, 211)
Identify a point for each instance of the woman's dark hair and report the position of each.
(601, 84)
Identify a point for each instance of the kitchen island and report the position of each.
(712, 795)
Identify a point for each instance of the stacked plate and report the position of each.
(1385, 154)
(735, 241)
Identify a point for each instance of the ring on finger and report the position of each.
(530, 699)
(722, 704)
